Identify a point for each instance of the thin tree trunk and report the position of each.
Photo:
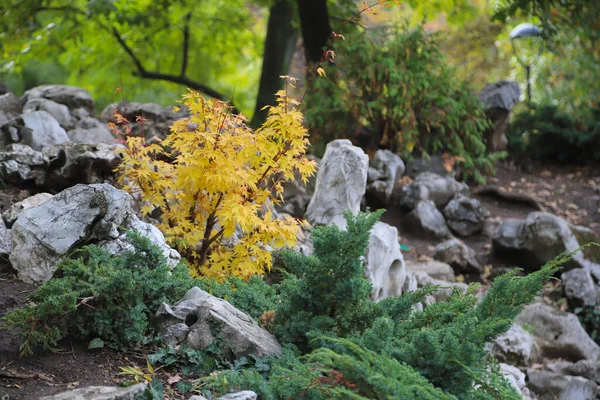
(280, 45)
(315, 26)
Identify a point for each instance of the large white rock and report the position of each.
(385, 264)
(10, 216)
(71, 96)
(559, 334)
(196, 318)
(41, 130)
(43, 235)
(341, 182)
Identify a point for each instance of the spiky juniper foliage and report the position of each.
(445, 342)
(327, 291)
(96, 295)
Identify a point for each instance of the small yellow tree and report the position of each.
(214, 179)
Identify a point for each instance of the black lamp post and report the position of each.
(530, 34)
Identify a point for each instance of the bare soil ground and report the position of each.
(573, 194)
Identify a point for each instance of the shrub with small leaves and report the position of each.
(213, 179)
(96, 295)
(393, 89)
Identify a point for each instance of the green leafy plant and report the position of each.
(589, 316)
(393, 89)
(96, 295)
(350, 347)
(550, 135)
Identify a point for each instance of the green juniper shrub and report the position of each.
(548, 134)
(96, 295)
(326, 292)
(350, 347)
(393, 89)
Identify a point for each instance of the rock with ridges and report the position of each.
(71, 96)
(426, 221)
(587, 368)
(10, 216)
(41, 130)
(10, 107)
(435, 269)
(516, 347)
(341, 182)
(203, 313)
(550, 385)
(429, 186)
(21, 165)
(43, 235)
(101, 393)
(559, 334)
(460, 256)
(580, 287)
(388, 167)
(465, 216)
(541, 237)
(73, 163)
(91, 131)
(59, 112)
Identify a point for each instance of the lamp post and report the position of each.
(530, 36)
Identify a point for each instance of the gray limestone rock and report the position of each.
(426, 221)
(460, 256)
(206, 316)
(341, 182)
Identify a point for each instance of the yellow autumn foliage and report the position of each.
(214, 180)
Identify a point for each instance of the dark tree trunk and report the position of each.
(280, 45)
(315, 26)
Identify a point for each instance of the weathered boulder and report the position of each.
(460, 256)
(516, 378)
(386, 168)
(465, 216)
(587, 368)
(559, 334)
(39, 129)
(21, 165)
(91, 131)
(43, 235)
(435, 269)
(73, 163)
(499, 99)
(10, 216)
(341, 182)
(71, 96)
(385, 264)
(59, 112)
(550, 385)
(10, 107)
(541, 237)
(426, 221)
(430, 186)
(580, 288)
(5, 240)
(199, 317)
(515, 347)
(132, 392)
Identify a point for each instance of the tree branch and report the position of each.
(178, 79)
(186, 43)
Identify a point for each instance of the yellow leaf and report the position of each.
(321, 72)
